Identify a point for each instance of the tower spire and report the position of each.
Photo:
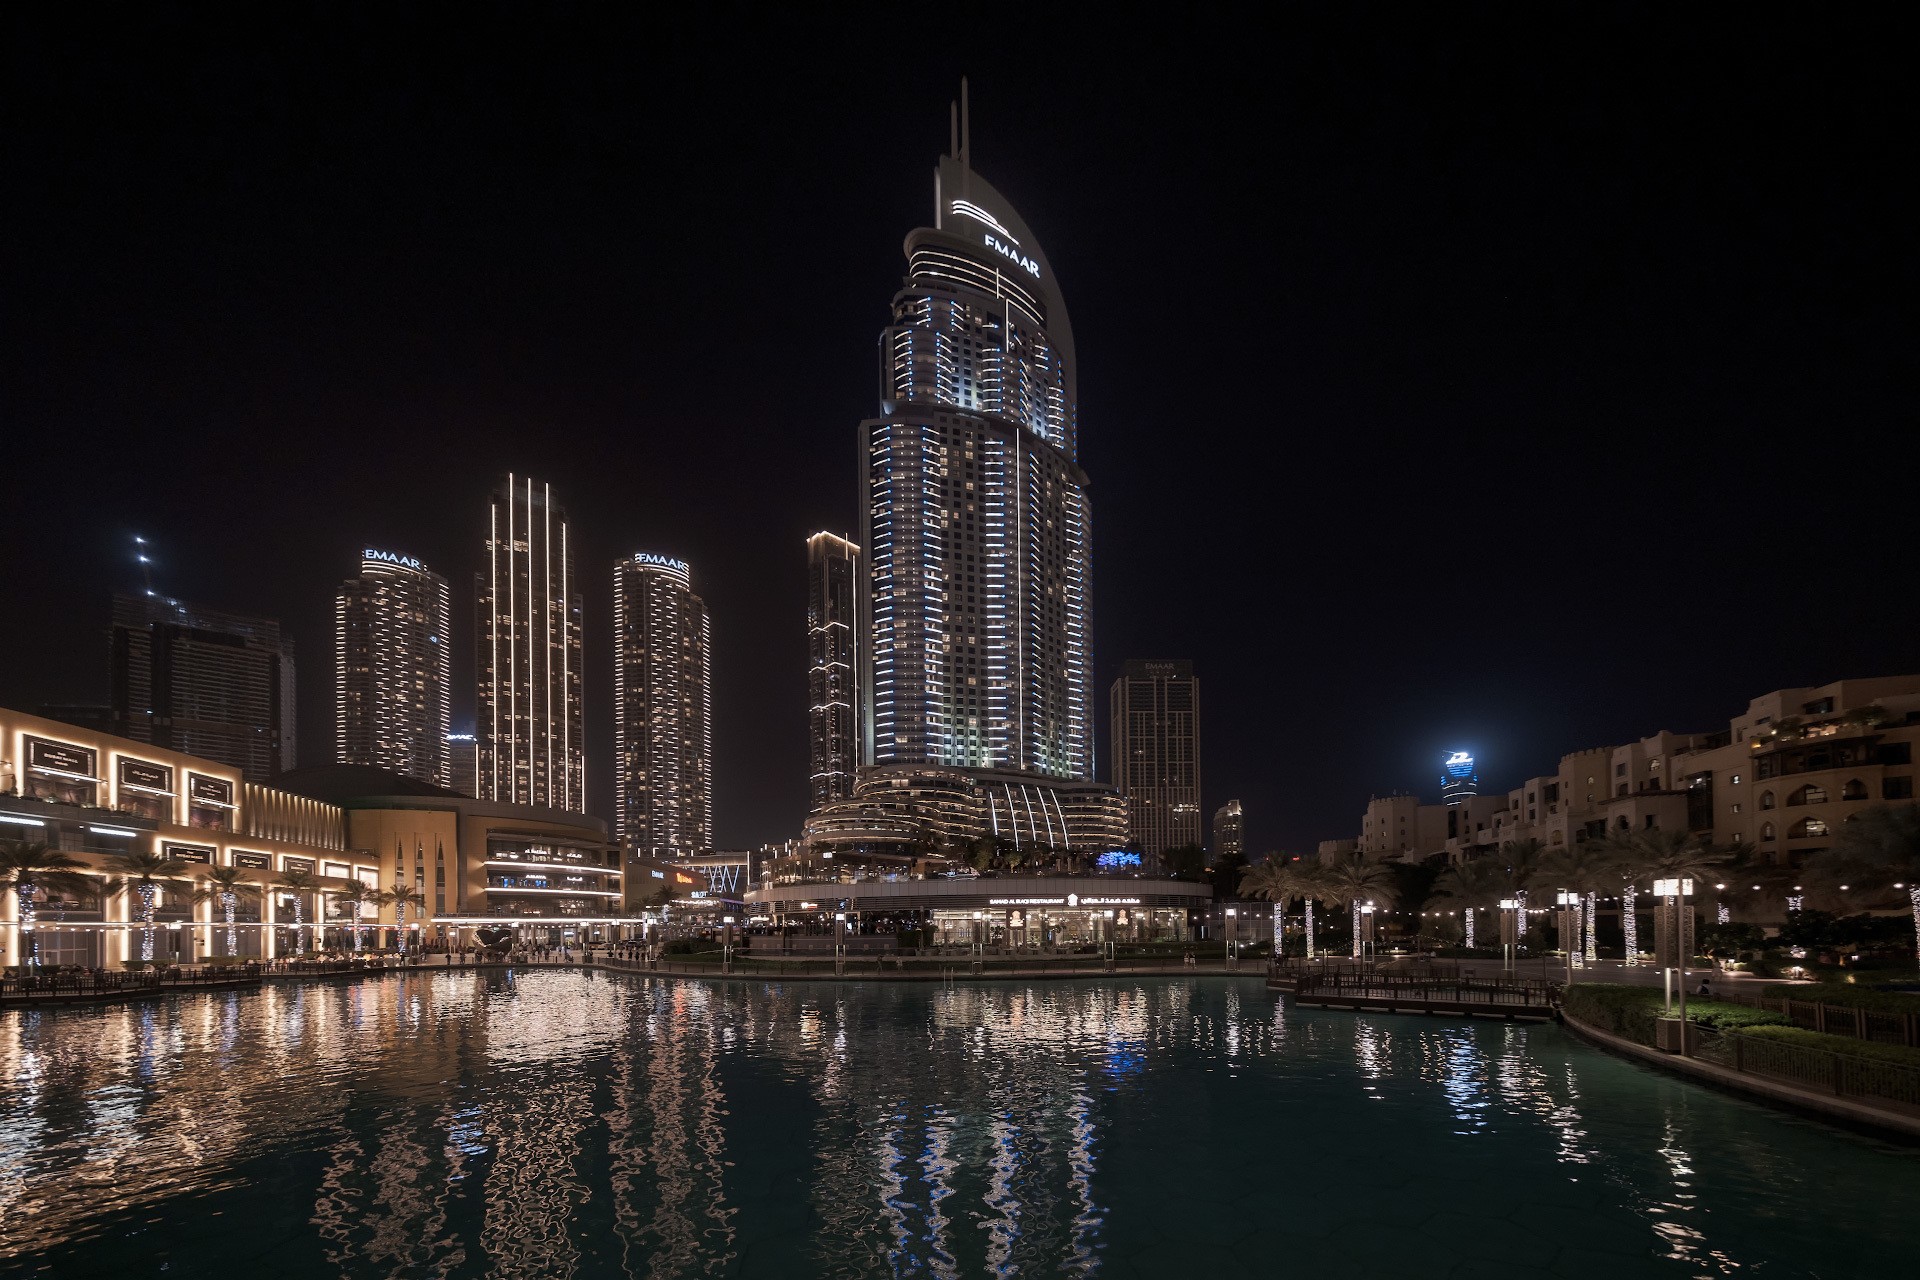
(966, 144)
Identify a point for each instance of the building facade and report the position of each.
(663, 709)
(905, 813)
(527, 624)
(974, 508)
(393, 668)
(1156, 752)
(833, 667)
(463, 752)
(198, 681)
(1229, 831)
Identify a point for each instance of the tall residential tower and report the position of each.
(1156, 752)
(393, 669)
(527, 662)
(211, 684)
(663, 709)
(833, 667)
(974, 508)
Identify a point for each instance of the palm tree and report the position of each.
(223, 886)
(141, 875)
(401, 897)
(1586, 869)
(1356, 880)
(1641, 857)
(33, 869)
(1475, 885)
(356, 894)
(1882, 842)
(1280, 880)
(301, 884)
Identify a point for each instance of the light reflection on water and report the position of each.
(577, 1125)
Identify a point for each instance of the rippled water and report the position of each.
(569, 1124)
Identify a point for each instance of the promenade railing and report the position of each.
(1877, 1025)
(35, 984)
(1845, 1075)
(1428, 988)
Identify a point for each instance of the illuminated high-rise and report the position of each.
(833, 666)
(974, 508)
(663, 709)
(1156, 752)
(393, 669)
(531, 746)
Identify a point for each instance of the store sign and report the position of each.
(60, 757)
(196, 853)
(1026, 902)
(214, 791)
(338, 870)
(258, 861)
(660, 562)
(142, 775)
(391, 557)
(296, 864)
(1118, 858)
(1006, 250)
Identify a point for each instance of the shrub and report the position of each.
(1622, 1010)
(1722, 1016)
(1850, 996)
(1836, 1044)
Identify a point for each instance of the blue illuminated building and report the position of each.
(1458, 780)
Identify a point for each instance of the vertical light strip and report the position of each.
(546, 676)
(493, 601)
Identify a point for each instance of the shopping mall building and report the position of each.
(996, 910)
(545, 874)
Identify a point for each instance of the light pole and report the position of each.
(1569, 930)
(1366, 923)
(1231, 921)
(1509, 933)
(1673, 894)
(839, 943)
(726, 945)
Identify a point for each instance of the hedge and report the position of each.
(1848, 995)
(1630, 1011)
(1837, 1044)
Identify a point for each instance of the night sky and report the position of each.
(1514, 380)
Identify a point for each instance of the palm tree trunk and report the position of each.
(1593, 932)
(227, 901)
(148, 894)
(1356, 928)
(1630, 925)
(1913, 896)
(1309, 928)
(1469, 915)
(23, 893)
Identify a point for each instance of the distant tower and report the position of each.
(663, 709)
(1229, 833)
(1458, 781)
(1156, 752)
(393, 670)
(211, 684)
(833, 666)
(527, 661)
(463, 751)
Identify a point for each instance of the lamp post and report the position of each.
(1509, 933)
(1113, 953)
(726, 945)
(1232, 920)
(839, 943)
(1570, 906)
(1673, 893)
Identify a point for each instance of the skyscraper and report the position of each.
(211, 684)
(1458, 780)
(1156, 752)
(974, 508)
(833, 666)
(663, 709)
(393, 668)
(527, 659)
(1229, 830)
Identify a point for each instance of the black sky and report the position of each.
(1518, 379)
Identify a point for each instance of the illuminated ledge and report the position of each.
(540, 920)
(576, 893)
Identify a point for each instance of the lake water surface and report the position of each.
(572, 1124)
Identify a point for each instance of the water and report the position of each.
(568, 1124)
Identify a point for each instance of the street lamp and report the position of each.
(1569, 902)
(1673, 892)
(1509, 933)
(1366, 919)
(1232, 916)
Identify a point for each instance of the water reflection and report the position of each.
(572, 1125)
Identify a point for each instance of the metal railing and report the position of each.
(1844, 1075)
(1877, 1025)
(1433, 990)
(69, 984)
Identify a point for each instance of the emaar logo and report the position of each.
(1006, 250)
(661, 562)
(391, 557)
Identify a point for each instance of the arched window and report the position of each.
(1808, 794)
(1766, 799)
(1854, 790)
(1766, 831)
(1807, 827)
